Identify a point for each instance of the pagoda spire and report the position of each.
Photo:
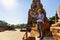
(36, 4)
(36, 1)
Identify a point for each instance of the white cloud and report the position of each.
(9, 4)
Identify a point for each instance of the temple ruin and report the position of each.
(31, 27)
(36, 4)
(55, 28)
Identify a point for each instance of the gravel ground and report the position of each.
(11, 35)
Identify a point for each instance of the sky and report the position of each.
(16, 11)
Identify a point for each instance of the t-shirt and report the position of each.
(40, 16)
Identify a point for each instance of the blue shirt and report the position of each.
(40, 16)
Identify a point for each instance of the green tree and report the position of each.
(3, 23)
(20, 25)
(17, 26)
(23, 25)
(12, 26)
(52, 18)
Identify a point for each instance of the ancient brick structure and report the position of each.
(55, 29)
(36, 4)
(4, 28)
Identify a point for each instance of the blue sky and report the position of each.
(16, 11)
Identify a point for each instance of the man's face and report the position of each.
(39, 12)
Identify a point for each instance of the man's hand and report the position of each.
(39, 19)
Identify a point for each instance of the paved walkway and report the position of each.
(11, 35)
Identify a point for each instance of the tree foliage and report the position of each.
(20, 25)
(3, 23)
(52, 18)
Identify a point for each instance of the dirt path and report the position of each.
(16, 35)
(11, 35)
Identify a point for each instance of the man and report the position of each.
(40, 21)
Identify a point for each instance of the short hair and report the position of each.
(40, 10)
